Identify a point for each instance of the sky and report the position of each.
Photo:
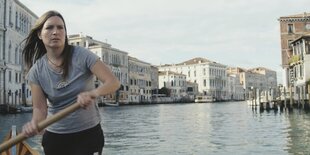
(236, 33)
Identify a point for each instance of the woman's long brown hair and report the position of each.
(35, 49)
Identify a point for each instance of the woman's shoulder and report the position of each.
(82, 52)
(79, 50)
(37, 66)
(40, 62)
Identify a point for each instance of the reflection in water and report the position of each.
(220, 128)
(299, 133)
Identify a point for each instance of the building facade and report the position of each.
(260, 78)
(299, 65)
(175, 82)
(235, 89)
(16, 20)
(140, 81)
(116, 60)
(210, 76)
(291, 28)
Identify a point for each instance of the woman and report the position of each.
(60, 75)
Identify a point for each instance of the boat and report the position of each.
(9, 109)
(204, 99)
(22, 148)
(26, 109)
(116, 104)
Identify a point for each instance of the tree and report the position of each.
(165, 91)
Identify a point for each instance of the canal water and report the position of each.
(197, 129)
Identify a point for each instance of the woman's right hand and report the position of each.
(30, 129)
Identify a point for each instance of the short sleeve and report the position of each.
(89, 57)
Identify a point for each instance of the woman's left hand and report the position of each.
(87, 98)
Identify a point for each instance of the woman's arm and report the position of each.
(109, 84)
(39, 105)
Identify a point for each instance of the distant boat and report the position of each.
(25, 109)
(204, 99)
(112, 104)
(9, 109)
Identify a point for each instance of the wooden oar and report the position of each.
(41, 125)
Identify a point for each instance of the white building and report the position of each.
(210, 76)
(299, 64)
(175, 82)
(16, 20)
(235, 89)
(116, 59)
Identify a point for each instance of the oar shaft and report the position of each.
(41, 125)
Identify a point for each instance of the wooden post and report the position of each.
(308, 96)
(284, 90)
(291, 96)
(298, 96)
(255, 104)
(258, 94)
(303, 98)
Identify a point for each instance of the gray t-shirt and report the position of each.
(61, 94)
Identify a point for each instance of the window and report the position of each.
(10, 16)
(16, 21)
(16, 54)
(9, 52)
(301, 69)
(290, 28)
(289, 43)
(10, 76)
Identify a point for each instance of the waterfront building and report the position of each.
(176, 84)
(140, 77)
(154, 79)
(116, 59)
(210, 76)
(234, 84)
(291, 28)
(299, 64)
(192, 90)
(234, 88)
(259, 78)
(16, 21)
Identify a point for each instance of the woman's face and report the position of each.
(53, 33)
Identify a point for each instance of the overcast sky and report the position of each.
(238, 33)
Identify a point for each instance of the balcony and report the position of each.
(294, 60)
